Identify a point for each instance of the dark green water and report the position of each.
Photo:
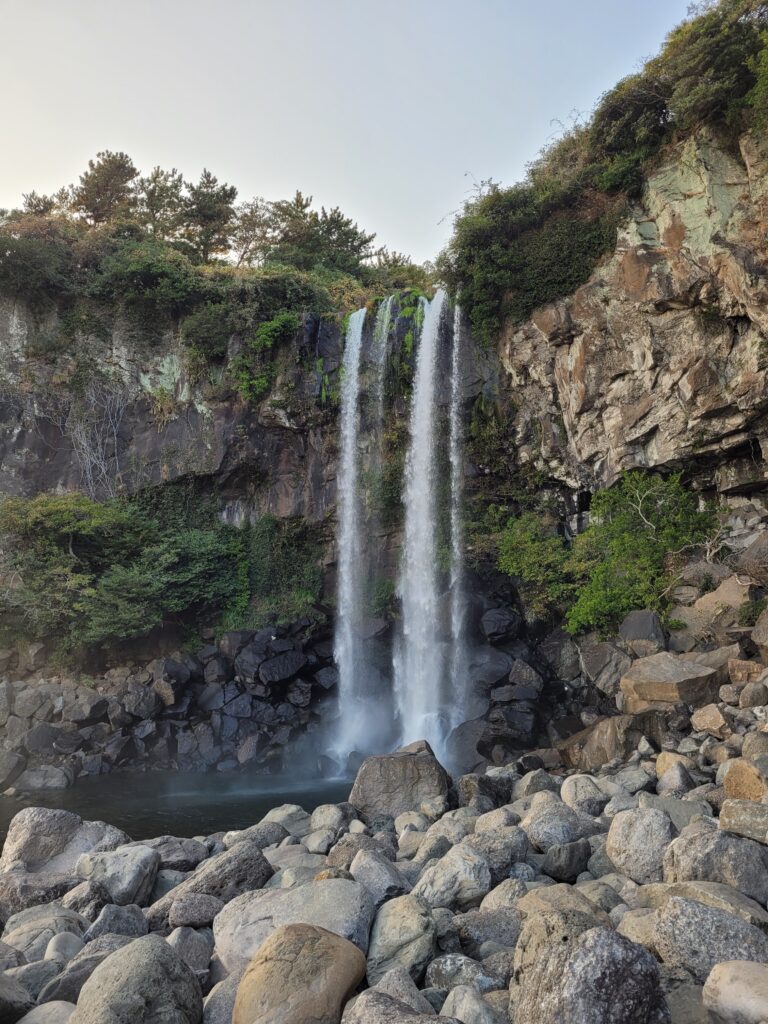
(178, 803)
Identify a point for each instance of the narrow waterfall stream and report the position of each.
(347, 645)
(458, 657)
(418, 661)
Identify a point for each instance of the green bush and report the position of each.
(252, 371)
(33, 268)
(622, 561)
(208, 330)
(147, 272)
(80, 572)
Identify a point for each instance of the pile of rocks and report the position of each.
(633, 895)
(236, 702)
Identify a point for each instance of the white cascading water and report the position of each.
(418, 659)
(347, 645)
(459, 665)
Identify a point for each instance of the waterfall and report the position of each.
(347, 644)
(419, 663)
(458, 666)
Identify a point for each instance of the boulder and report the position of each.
(176, 854)
(737, 991)
(454, 969)
(58, 1012)
(403, 935)
(459, 880)
(500, 625)
(300, 973)
(45, 839)
(581, 793)
(759, 635)
(711, 894)
(501, 848)
(394, 783)
(552, 823)
(603, 664)
(128, 874)
(144, 983)
(294, 819)
(566, 861)
(637, 841)
(668, 679)
(643, 633)
(340, 906)
(118, 920)
(378, 875)
(400, 985)
(745, 818)
(498, 927)
(225, 876)
(31, 930)
(690, 935)
(373, 1007)
(88, 899)
(67, 984)
(598, 977)
(747, 779)
(193, 947)
(15, 1000)
(466, 1004)
(195, 910)
(704, 853)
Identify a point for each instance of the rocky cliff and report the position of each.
(659, 359)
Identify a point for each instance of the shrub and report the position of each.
(34, 269)
(284, 573)
(83, 572)
(208, 330)
(147, 272)
(251, 371)
(621, 562)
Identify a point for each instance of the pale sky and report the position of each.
(387, 109)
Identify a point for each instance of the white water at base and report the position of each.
(347, 645)
(419, 661)
(458, 662)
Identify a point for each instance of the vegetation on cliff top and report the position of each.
(623, 560)
(159, 247)
(516, 248)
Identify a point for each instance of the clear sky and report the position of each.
(387, 109)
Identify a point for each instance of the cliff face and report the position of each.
(116, 411)
(659, 359)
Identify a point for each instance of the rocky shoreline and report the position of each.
(632, 894)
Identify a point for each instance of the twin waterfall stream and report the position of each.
(420, 694)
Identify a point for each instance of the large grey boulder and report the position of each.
(702, 852)
(403, 935)
(128, 874)
(581, 793)
(118, 920)
(225, 876)
(374, 1007)
(597, 978)
(293, 818)
(15, 1000)
(458, 881)
(379, 876)
(690, 935)
(394, 783)
(144, 983)
(553, 927)
(501, 847)
(336, 904)
(31, 930)
(20, 890)
(66, 985)
(50, 840)
(637, 841)
(550, 822)
(466, 1004)
(737, 991)
(398, 983)
(176, 854)
(454, 969)
(481, 930)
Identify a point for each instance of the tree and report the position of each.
(254, 232)
(105, 191)
(308, 240)
(209, 216)
(160, 199)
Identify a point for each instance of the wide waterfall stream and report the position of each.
(428, 666)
